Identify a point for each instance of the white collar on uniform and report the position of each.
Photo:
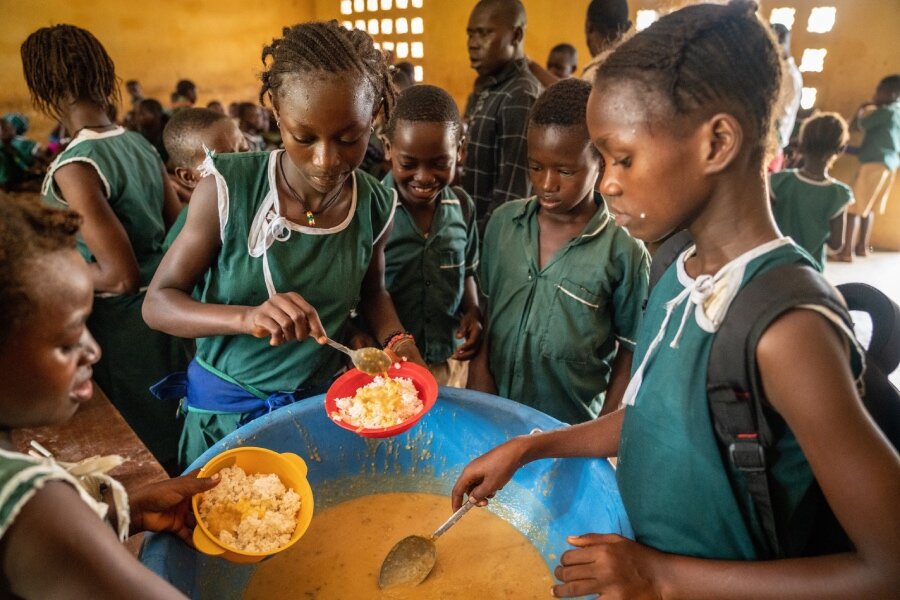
(710, 295)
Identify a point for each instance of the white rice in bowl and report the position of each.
(250, 513)
(382, 403)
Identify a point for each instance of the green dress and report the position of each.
(425, 273)
(680, 491)
(804, 208)
(134, 356)
(553, 331)
(262, 254)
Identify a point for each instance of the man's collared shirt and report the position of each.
(496, 166)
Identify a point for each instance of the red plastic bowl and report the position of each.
(346, 385)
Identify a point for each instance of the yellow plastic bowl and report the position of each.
(289, 467)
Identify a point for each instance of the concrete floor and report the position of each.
(881, 270)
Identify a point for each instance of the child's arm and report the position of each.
(618, 380)
(480, 377)
(166, 505)
(58, 548)
(488, 473)
(169, 306)
(377, 307)
(854, 464)
(115, 269)
(470, 327)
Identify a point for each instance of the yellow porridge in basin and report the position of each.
(340, 556)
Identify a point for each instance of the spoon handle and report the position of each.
(338, 346)
(452, 520)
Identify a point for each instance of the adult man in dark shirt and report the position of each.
(496, 165)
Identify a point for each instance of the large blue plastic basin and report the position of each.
(546, 500)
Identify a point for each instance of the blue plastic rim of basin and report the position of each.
(547, 500)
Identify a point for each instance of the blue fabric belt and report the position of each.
(204, 390)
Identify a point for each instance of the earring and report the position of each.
(372, 129)
(277, 122)
(643, 215)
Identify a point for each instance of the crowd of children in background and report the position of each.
(504, 249)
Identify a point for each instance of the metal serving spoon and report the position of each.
(411, 559)
(368, 360)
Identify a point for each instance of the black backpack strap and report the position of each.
(734, 389)
(666, 254)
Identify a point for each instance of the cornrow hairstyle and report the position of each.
(183, 135)
(327, 46)
(703, 59)
(28, 231)
(563, 104)
(823, 135)
(427, 103)
(609, 17)
(65, 62)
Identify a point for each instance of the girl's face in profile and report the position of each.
(651, 182)
(45, 363)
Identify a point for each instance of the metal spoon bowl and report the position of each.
(371, 361)
(411, 559)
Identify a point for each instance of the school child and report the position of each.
(684, 137)
(252, 123)
(187, 136)
(805, 200)
(879, 156)
(562, 60)
(564, 283)
(290, 242)
(117, 181)
(53, 536)
(150, 120)
(13, 169)
(432, 254)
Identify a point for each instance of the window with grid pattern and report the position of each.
(397, 26)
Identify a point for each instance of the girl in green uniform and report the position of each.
(118, 183)
(290, 242)
(684, 136)
(564, 283)
(54, 542)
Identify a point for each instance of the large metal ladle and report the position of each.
(411, 559)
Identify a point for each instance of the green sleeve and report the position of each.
(488, 255)
(880, 117)
(840, 200)
(472, 258)
(632, 289)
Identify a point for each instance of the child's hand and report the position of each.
(284, 317)
(166, 505)
(487, 474)
(609, 565)
(470, 328)
(358, 338)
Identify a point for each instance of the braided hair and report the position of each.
(823, 135)
(28, 232)
(703, 59)
(427, 103)
(64, 63)
(327, 46)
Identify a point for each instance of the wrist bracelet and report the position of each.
(389, 338)
(399, 339)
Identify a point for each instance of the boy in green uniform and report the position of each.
(804, 201)
(187, 136)
(684, 136)
(117, 181)
(564, 283)
(289, 243)
(432, 254)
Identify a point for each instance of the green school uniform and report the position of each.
(553, 330)
(804, 207)
(425, 273)
(22, 476)
(881, 141)
(325, 266)
(134, 356)
(677, 490)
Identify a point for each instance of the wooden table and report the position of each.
(97, 428)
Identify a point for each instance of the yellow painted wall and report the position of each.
(215, 43)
